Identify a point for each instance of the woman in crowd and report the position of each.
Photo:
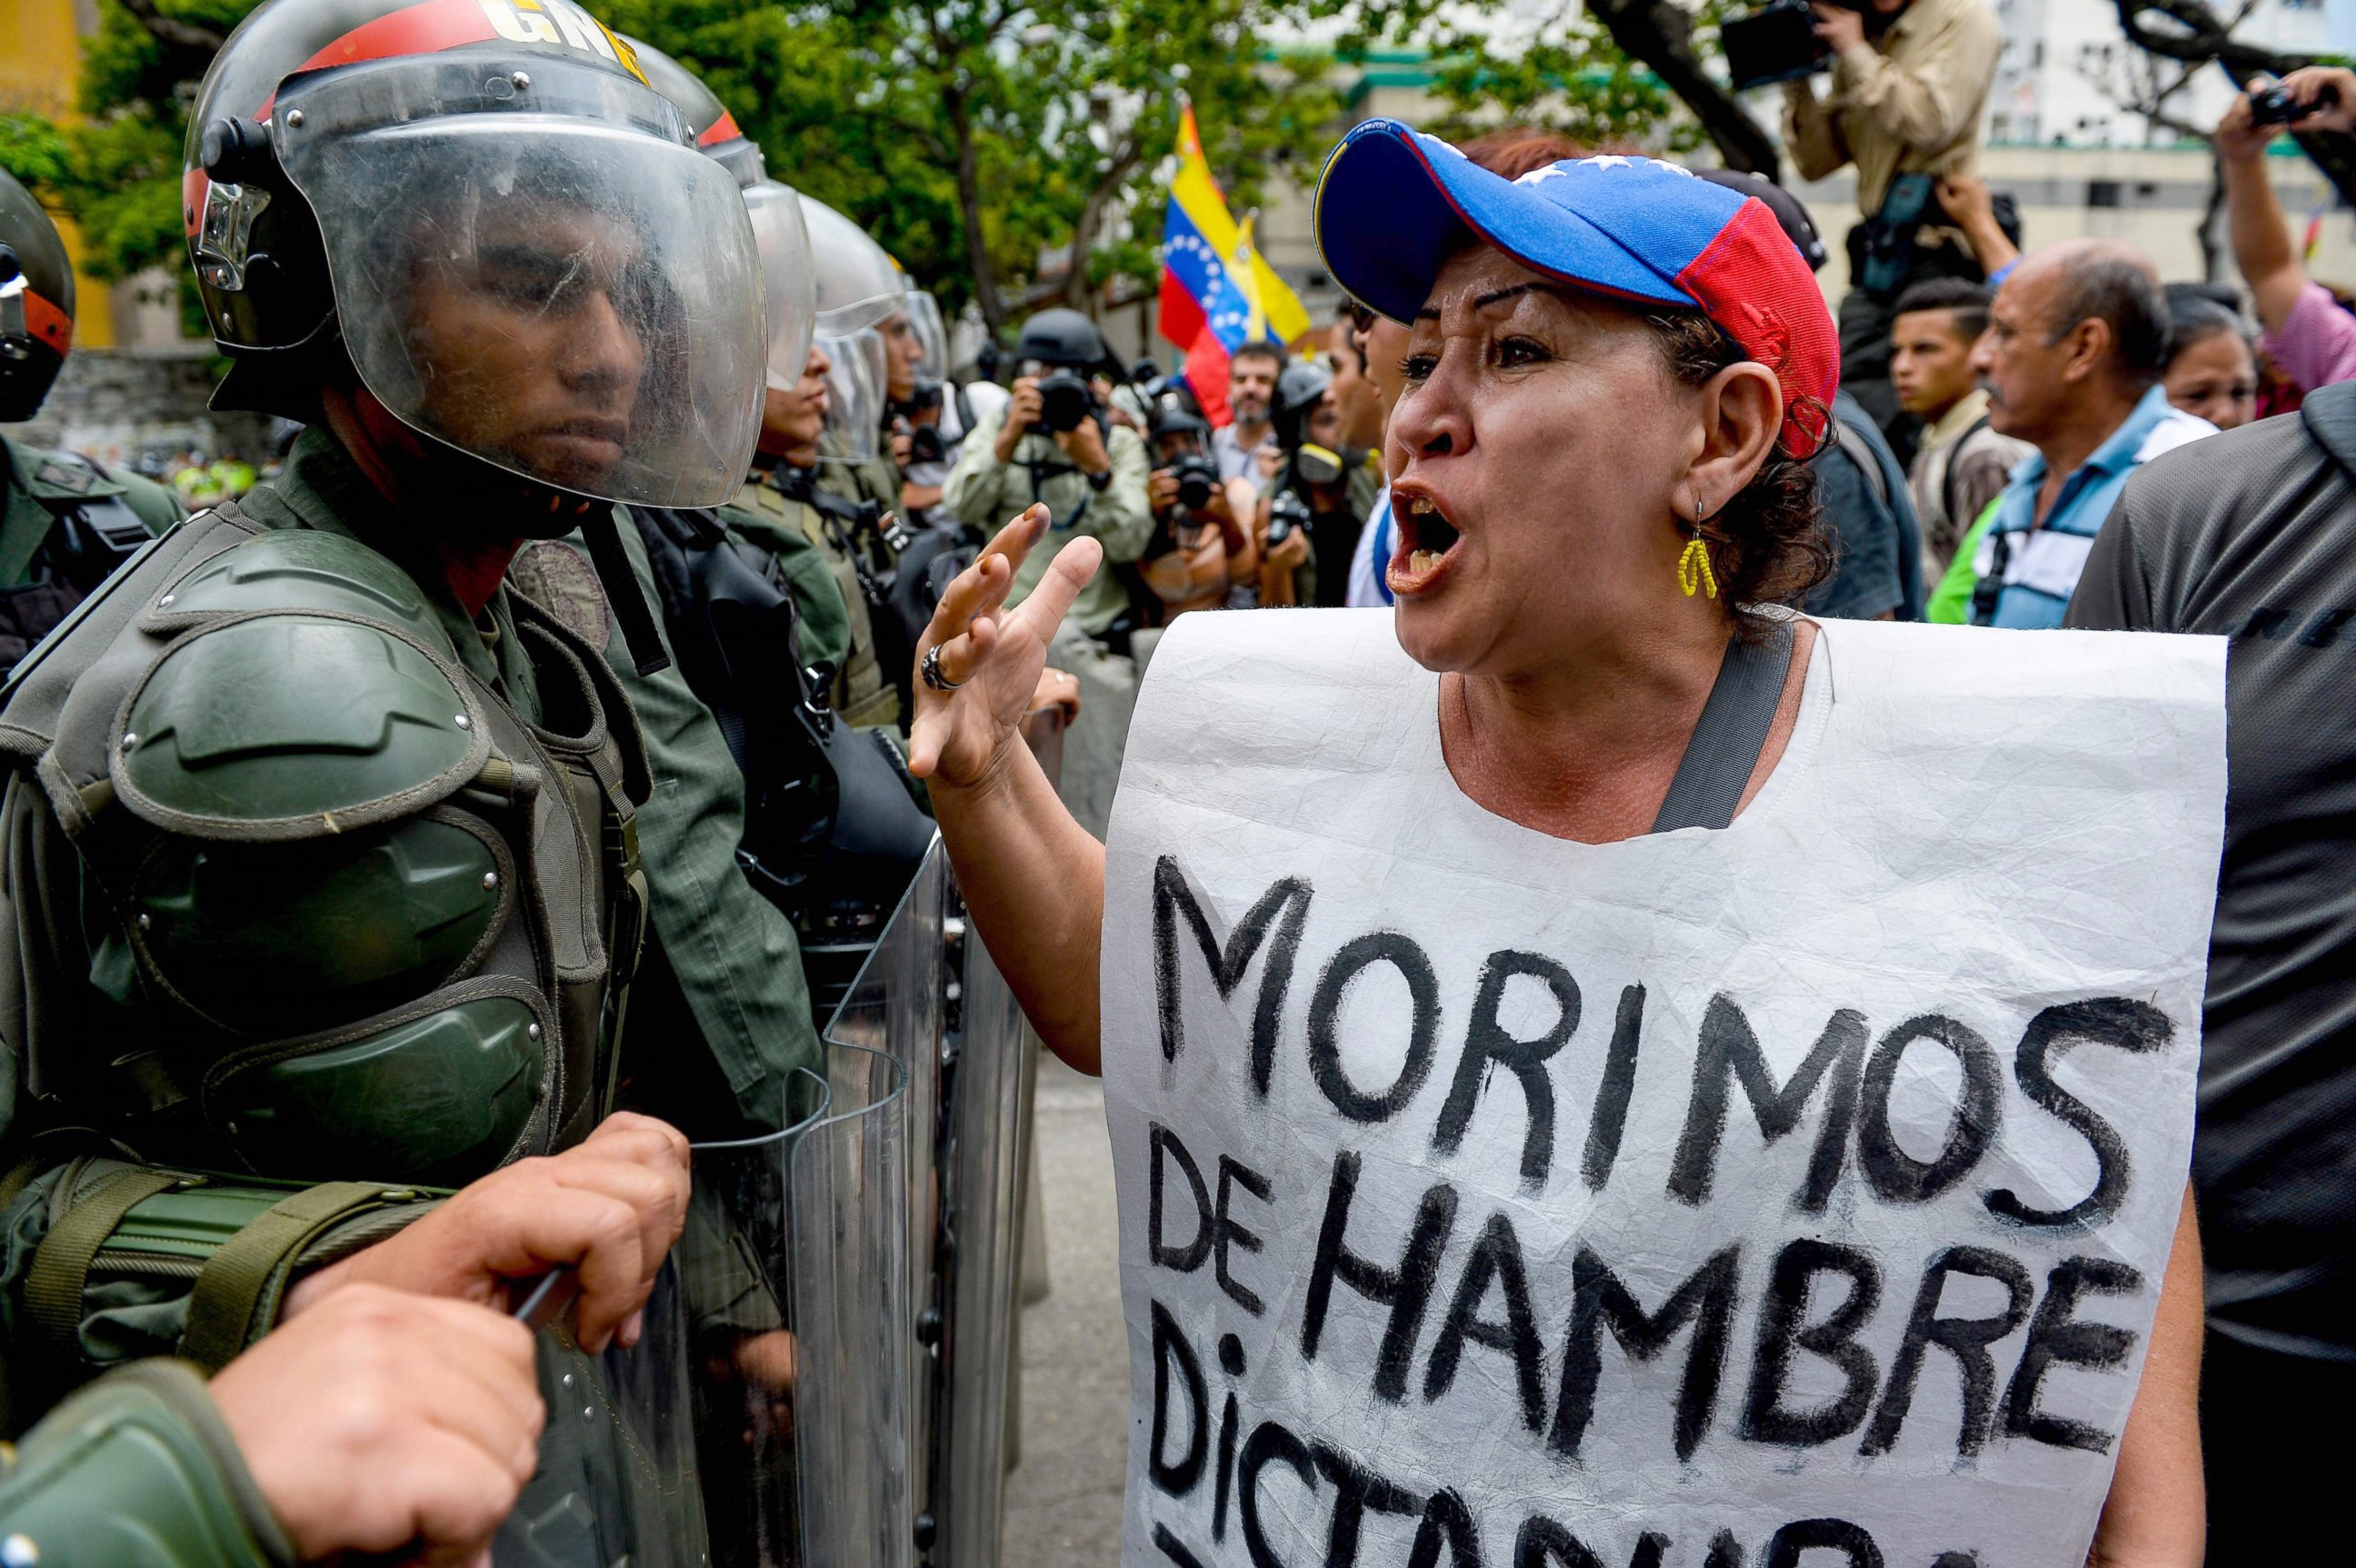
(1614, 375)
(2211, 369)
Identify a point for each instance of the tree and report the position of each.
(973, 135)
(116, 170)
(1601, 72)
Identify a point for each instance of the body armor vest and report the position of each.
(341, 908)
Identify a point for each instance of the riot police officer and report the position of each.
(326, 844)
(65, 520)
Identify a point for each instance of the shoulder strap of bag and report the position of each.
(1948, 475)
(1724, 749)
(1861, 453)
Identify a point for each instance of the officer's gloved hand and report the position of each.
(384, 1422)
(608, 1209)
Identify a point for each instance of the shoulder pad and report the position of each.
(304, 569)
(292, 724)
(153, 505)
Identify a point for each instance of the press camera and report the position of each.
(1778, 42)
(1064, 400)
(2272, 104)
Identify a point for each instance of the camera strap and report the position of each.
(1043, 469)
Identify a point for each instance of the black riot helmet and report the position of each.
(716, 131)
(37, 302)
(1064, 338)
(1299, 388)
(483, 211)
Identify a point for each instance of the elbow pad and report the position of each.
(137, 1471)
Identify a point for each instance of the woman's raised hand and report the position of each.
(960, 737)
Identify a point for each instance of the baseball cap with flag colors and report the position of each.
(1394, 204)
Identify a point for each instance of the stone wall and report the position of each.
(121, 405)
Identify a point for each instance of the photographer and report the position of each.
(1908, 81)
(1200, 547)
(1056, 443)
(1323, 494)
(2307, 334)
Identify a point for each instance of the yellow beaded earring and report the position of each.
(1693, 566)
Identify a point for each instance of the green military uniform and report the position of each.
(135, 1471)
(989, 494)
(345, 891)
(723, 979)
(860, 480)
(65, 523)
(784, 510)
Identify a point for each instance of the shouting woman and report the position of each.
(1602, 1070)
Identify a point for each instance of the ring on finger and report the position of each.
(930, 668)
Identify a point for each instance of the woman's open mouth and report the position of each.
(1427, 542)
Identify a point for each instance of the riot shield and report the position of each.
(983, 1161)
(795, 1268)
(895, 1008)
(930, 999)
(617, 1485)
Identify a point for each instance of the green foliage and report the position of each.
(116, 170)
(971, 136)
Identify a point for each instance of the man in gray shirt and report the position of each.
(2245, 535)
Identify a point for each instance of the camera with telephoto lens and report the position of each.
(1063, 400)
(1778, 42)
(2272, 104)
(1287, 511)
(1198, 480)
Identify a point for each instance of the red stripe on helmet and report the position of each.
(46, 322)
(424, 29)
(721, 130)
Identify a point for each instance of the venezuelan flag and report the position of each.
(1217, 291)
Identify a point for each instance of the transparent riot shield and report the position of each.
(617, 1485)
(983, 1159)
(896, 1008)
(930, 999)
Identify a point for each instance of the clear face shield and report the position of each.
(855, 381)
(534, 268)
(858, 283)
(931, 335)
(790, 282)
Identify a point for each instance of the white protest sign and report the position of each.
(1795, 1194)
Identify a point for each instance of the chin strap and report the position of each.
(630, 612)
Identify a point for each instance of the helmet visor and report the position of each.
(854, 394)
(858, 286)
(924, 316)
(560, 290)
(788, 280)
